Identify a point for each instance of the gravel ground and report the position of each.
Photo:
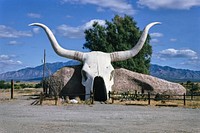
(18, 116)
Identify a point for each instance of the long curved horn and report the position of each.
(76, 55)
(123, 55)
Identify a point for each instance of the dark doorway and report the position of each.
(99, 89)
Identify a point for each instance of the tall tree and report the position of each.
(118, 35)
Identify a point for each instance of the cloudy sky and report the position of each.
(175, 43)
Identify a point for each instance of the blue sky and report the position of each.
(175, 43)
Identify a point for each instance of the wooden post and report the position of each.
(184, 102)
(191, 95)
(92, 97)
(41, 97)
(111, 97)
(12, 89)
(56, 100)
(135, 91)
(149, 98)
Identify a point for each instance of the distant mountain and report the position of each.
(35, 73)
(173, 74)
(163, 72)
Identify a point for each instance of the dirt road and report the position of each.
(19, 116)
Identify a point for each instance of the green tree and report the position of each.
(118, 35)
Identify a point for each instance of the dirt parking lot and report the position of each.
(18, 116)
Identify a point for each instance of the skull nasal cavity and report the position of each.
(99, 89)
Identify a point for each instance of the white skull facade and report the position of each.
(97, 71)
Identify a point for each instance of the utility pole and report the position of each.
(44, 66)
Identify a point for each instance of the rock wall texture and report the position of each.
(127, 80)
(71, 76)
(124, 80)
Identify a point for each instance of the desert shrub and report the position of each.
(38, 85)
(4, 85)
(17, 87)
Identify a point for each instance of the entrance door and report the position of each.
(99, 89)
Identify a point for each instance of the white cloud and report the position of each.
(194, 64)
(119, 6)
(91, 22)
(154, 40)
(99, 9)
(71, 32)
(4, 57)
(171, 4)
(34, 15)
(173, 40)
(173, 53)
(36, 30)
(10, 66)
(156, 34)
(8, 32)
(8, 60)
(68, 16)
(11, 62)
(77, 32)
(13, 42)
(155, 37)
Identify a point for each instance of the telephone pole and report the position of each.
(44, 69)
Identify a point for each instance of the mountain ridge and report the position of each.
(35, 73)
(163, 72)
(174, 74)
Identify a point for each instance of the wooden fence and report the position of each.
(134, 96)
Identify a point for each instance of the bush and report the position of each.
(17, 87)
(38, 85)
(4, 85)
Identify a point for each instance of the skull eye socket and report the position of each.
(111, 75)
(84, 75)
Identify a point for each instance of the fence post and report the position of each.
(149, 98)
(41, 98)
(56, 100)
(12, 89)
(92, 97)
(191, 95)
(184, 102)
(109, 94)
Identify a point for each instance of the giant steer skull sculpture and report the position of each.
(97, 71)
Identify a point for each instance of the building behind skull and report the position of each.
(68, 81)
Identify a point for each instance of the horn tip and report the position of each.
(152, 24)
(157, 23)
(31, 24)
(35, 24)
